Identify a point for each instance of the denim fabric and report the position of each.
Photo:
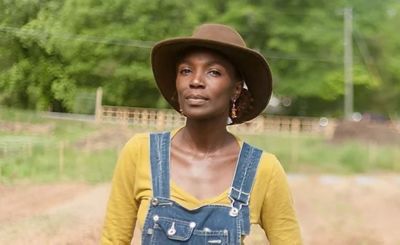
(167, 222)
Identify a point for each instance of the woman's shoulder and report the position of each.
(138, 139)
(268, 163)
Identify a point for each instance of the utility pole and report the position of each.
(348, 63)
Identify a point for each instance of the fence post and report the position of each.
(160, 120)
(295, 131)
(146, 117)
(30, 148)
(5, 150)
(371, 153)
(98, 110)
(165, 119)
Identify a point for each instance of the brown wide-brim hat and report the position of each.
(252, 65)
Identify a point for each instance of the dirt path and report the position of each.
(52, 214)
(348, 210)
(331, 210)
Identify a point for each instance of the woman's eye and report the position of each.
(184, 71)
(215, 73)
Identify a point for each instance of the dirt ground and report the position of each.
(332, 210)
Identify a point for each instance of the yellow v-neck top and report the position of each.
(271, 204)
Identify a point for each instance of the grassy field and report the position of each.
(36, 149)
(315, 154)
(54, 174)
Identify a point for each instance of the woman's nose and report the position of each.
(197, 81)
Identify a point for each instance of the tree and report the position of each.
(52, 50)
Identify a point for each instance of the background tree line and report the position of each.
(53, 51)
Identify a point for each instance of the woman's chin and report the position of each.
(203, 117)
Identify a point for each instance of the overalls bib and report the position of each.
(167, 222)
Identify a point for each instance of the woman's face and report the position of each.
(206, 83)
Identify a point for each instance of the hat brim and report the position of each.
(251, 64)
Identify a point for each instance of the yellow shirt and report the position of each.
(271, 204)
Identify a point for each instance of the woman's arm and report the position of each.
(122, 208)
(278, 217)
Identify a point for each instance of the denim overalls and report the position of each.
(169, 223)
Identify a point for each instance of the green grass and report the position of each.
(46, 166)
(34, 157)
(16, 115)
(314, 154)
(53, 160)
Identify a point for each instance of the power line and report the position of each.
(84, 38)
(303, 58)
(148, 44)
(337, 12)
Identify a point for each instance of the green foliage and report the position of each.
(54, 51)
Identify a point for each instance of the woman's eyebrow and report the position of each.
(207, 63)
(215, 62)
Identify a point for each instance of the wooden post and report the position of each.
(160, 120)
(295, 131)
(295, 126)
(396, 159)
(30, 148)
(371, 154)
(5, 149)
(145, 119)
(98, 110)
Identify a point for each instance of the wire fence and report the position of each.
(164, 119)
(32, 148)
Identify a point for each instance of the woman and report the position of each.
(200, 184)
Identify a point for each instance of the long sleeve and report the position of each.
(122, 207)
(278, 217)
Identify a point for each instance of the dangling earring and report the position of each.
(181, 111)
(234, 110)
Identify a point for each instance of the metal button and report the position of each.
(156, 218)
(154, 202)
(234, 212)
(192, 224)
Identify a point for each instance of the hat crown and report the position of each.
(219, 33)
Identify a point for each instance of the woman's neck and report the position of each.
(205, 137)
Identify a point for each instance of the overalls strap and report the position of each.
(245, 171)
(242, 183)
(159, 160)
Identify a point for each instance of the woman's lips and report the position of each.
(196, 99)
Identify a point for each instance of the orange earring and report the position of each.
(234, 109)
